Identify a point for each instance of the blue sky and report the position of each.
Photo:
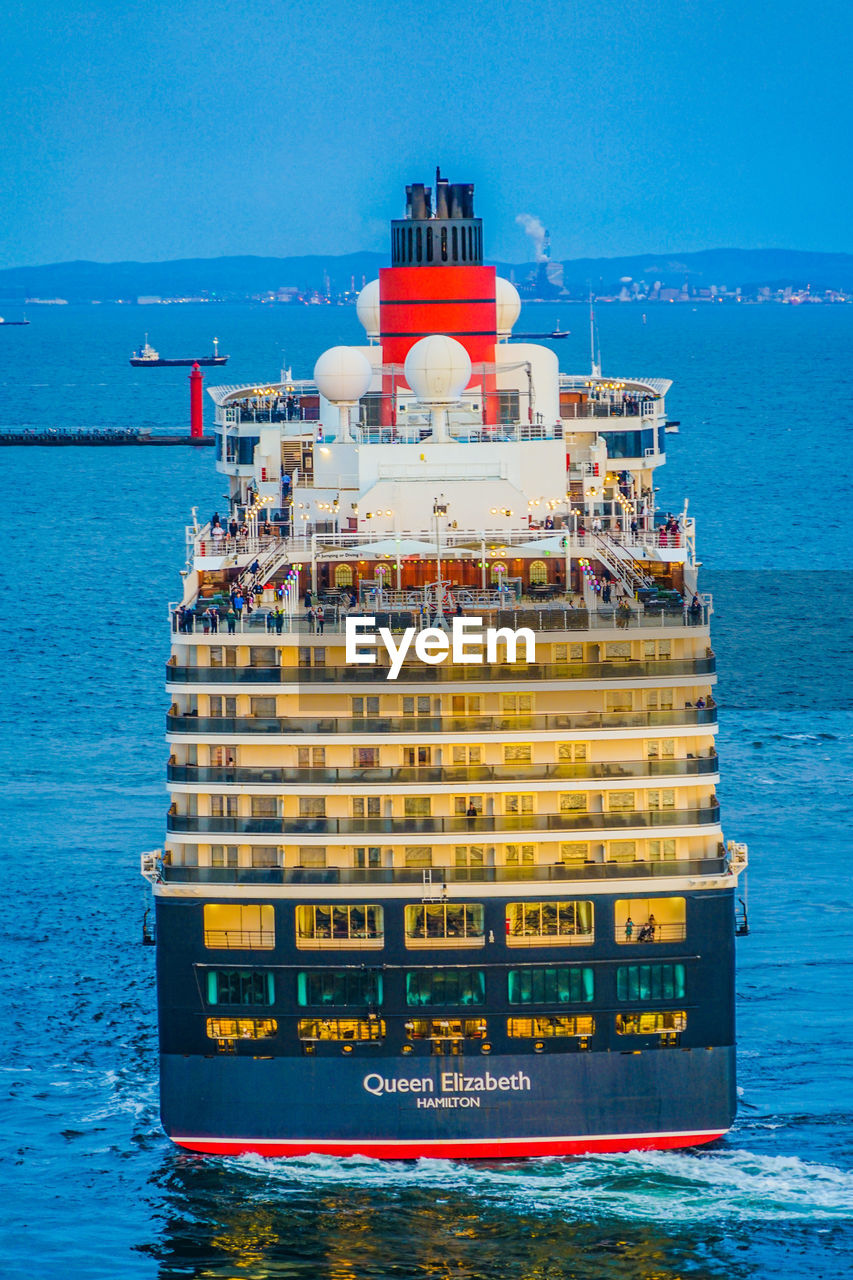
(183, 129)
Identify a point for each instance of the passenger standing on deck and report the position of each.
(321, 618)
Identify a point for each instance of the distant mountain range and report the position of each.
(242, 277)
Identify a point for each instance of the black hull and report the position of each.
(485, 1107)
(158, 364)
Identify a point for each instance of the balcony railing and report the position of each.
(223, 775)
(485, 825)
(443, 876)
(446, 673)
(547, 619)
(335, 725)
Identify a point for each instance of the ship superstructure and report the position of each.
(444, 872)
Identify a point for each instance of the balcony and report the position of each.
(331, 726)
(445, 673)
(255, 776)
(446, 876)
(555, 616)
(482, 827)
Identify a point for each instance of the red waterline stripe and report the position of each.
(474, 1149)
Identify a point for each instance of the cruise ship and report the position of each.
(444, 872)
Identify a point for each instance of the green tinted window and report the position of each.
(240, 986)
(338, 987)
(650, 982)
(445, 986)
(556, 984)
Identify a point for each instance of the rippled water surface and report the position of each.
(89, 1186)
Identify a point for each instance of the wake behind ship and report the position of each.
(444, 872)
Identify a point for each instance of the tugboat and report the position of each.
(148, 357)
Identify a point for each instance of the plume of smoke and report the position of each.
(534, 228)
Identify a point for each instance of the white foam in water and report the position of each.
(733, 1186)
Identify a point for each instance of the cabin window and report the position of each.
(241, 1028)
(446, 1029)
(311, 855)
(518, 804)
(240, 986)
(557, 984)
(455, 244)
(311, 757)
(650, 982)
(659, 699)
(576, 751)
(264, 806)
(368, 858)
(574, 802)
(619, 650)
(312, 806)
(262, 706)
(619, 700)
(419, 706)
(661, 850)
(354, 1029)
(538, 573)
(366, 806)
(262, 656)
(648, 1024)
(445, 986)
(338, 987)
(435, 923)
(469, 855)
(467, 755)
(622, 851)
(518, 753)
(620, 801)
(337, 924)
(535, 923)
(419, 244)
(417, 855)
(416, 807)
(547, 1027)
(462, 705)
(365, 706)
(462, 805)
(661, 799)
(520, 855)
(429, 239)
(365, 757)
(223, 855)
(444, 244)
(663, 749)
(574, 853)
(650, 920)
(246, 926)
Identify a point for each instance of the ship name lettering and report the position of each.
(377, 1084)
(455, 1082)
(468, 642)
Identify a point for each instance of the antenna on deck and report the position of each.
(594, 356)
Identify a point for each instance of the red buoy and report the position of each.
(196, 408)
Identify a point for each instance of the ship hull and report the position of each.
(157, 364)
(497, 1107)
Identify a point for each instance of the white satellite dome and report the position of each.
(438, 369)
(508, 304)
(367, 309)
(343, 374)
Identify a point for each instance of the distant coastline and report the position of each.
(711, 276)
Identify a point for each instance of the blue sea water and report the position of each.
(89, 1185)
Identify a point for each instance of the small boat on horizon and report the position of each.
(147, 356)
